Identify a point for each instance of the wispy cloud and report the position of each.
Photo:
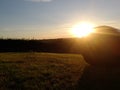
(39, 0)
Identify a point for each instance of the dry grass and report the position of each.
(40, 71)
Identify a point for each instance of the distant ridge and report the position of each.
(107, 30)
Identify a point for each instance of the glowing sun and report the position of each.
(82, 29)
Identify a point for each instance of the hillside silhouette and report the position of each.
(102, 52)
(102, 47)
(107, 30)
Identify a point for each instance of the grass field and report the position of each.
(40, 71)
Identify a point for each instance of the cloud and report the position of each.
(39, 0)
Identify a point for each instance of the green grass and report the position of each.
(40, 71)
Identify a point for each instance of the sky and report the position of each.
(43, 19)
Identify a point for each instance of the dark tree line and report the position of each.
(51, 45)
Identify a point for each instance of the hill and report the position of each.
(107, 30)
(103, 46)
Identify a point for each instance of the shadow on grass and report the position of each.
(100, 78)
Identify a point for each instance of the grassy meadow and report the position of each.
(40, 71)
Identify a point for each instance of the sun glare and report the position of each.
(82, 29)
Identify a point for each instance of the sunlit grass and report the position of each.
(40, 71)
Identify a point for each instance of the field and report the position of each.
(40, 71)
